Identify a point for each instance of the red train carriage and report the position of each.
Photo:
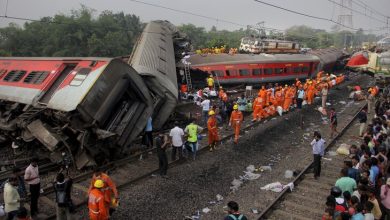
(244, 68)
(261, 68)
(88, 107)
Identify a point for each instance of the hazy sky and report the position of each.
(239, 11)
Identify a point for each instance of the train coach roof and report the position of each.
(57, 58)
(226, 59)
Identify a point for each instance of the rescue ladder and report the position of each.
(187, 73)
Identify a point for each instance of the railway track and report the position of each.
(307, 200)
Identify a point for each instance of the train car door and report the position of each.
(60, 78)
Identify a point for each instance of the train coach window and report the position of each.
(80, 76)
(218, 73)
(14, 76)
(279, 70)
(36, 77)
(244, 72)
(297, 69)
(231, 72)
(268, 71)
(287, 70)
(305, 69)
(256, 72)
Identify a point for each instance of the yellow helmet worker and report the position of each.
(235, 107)
(211, 112)
(98, 184)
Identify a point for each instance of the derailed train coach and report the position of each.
(89, 108)
(159, 48)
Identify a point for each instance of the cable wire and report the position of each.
(308, 15)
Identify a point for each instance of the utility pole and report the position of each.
(345, 19)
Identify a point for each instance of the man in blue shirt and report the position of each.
(318, 145)
(148, 133)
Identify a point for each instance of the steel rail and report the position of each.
(305, 170)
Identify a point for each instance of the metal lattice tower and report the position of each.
(345, 17)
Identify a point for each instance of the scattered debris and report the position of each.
(288, 174)
(265, 168)
(219, 197)
(235, 184)
(328, 104)
(254, 211)
(343, 102)
(277, 187)
(332, 153)
(206, 210)
(279, 109)
(329, 159)
(250, 168)
(343, 149)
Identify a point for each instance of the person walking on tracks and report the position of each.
(212, 131)
(162, 143)
(192, 130)
(235, 121)
(318, 145)
(98, 209)
(31, 176)
(62, 188)
(333, 122)
(111, 195)
(176, 134)
(233, 212)
(362, 120)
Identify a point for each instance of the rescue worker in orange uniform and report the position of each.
(263, 94)
(109, 190)
(279, 97)
(258, 108)
(235, 121)
(310, 93)
(288, 99)
(212, 130)
(98, 209)
(271, 109)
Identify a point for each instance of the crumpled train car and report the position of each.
(154, 58)
(90, 108)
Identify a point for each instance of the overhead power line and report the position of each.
(367, 7)
(308, 15)
(356, 11)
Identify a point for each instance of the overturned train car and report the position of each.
(154, 58)
(90, 108)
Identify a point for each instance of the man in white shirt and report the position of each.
(205, 109)
(11, 198)
(31, 176)
(176, 136)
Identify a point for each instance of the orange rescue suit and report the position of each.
(109, 188)
(97, 206)
(258, 108)
(235, 121)
(212, 130)
(279, 98)
(289, 95)
(310, 94)
(263, 95)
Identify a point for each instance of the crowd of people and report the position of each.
(362, 191)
